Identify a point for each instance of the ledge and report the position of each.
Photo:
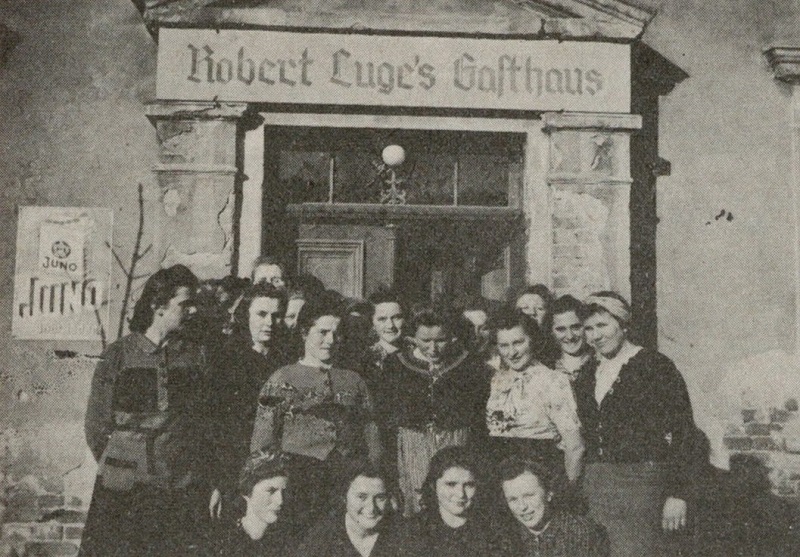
(188, 168)
(612, 20)
(590, 121)
(785, 63)
(390, 214)
(179, 110)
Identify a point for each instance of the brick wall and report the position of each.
(758, 415)
(54, 526)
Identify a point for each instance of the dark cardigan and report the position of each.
(645, 417)
(238, 373)
(434, 538)
(230, 540)
(456, 399)
(328, 538)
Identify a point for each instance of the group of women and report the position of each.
(448, 434)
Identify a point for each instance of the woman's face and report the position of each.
(533, 305)
(177, 311)
(514, 346)
(604, 333)
(455, 491)
(264, 316)
(266, 500)
(432, 342)
(568, 332)
(367, 501)
(388, 322)
(478, 319)
(269, 273)
(293, 308)
(322, 337)
(527, 499)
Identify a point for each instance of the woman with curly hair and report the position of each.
(453, 521)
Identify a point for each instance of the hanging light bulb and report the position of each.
(393, 155)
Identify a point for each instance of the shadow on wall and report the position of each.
(737, 515)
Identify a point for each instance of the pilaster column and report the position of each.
(785, 63)
(588, 180)
(198, 172)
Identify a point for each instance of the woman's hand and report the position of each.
(215, 504)
(674, 515)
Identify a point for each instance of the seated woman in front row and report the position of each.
(264, 530)
(454, 520)
(362, 522)
(534, 526)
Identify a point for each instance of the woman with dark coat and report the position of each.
(453, 521)
(638, 426)
(144, 425)
(252, 354)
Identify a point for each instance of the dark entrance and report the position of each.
(436, 215)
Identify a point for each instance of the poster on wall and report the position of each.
(62, 276)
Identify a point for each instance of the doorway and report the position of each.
(434, 213)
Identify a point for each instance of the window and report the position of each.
(441, 168)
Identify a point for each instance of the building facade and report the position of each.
(655, 155)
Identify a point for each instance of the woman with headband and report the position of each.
(262, 529)
(638, 427)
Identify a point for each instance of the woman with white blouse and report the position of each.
(531, 410)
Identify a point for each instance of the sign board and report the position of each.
(380, 70)
(63, 273)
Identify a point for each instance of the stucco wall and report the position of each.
(726, 284)
(73, 134)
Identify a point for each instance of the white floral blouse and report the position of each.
(536, 403)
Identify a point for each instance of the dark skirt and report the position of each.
(540, 450)
(143, 521)
(628, 499)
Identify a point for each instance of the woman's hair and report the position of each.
(540, 290)
(515, 466)
(426, 316)
(348, 473)
(442, 461)
(619, 308)
(159, 289)
(384, 296)
(326, 303)
(263, 260)
(259, 290)
(261, 466)
(565, 304)
(510, 318)
(310, 285)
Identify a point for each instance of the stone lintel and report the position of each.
(180, 110)
(785, 63)
(590, 121)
